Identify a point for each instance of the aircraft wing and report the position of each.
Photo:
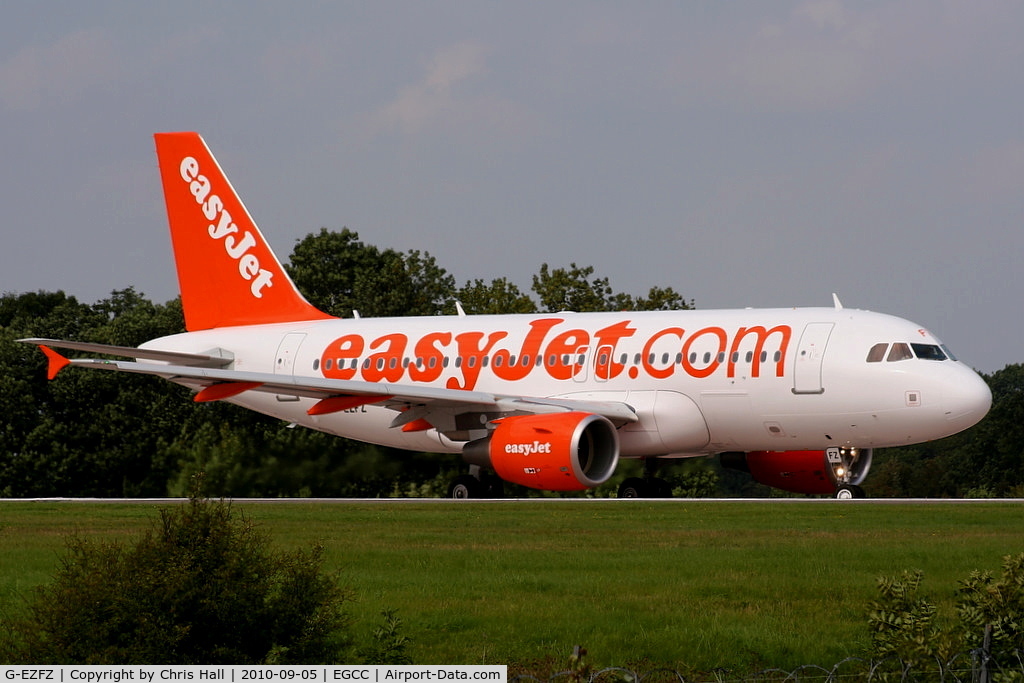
(417, 407)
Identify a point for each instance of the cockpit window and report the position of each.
(949, 354)
(902, 351)
(899, 351)
(877, 353)
(928, 352)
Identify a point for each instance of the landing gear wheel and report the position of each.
(659, 488)
(634, 487)
(464, 487)
(493, 487)
(849, 492)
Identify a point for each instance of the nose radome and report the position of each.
(968, 399)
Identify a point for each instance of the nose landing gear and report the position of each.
(849, 467)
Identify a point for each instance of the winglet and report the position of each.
(55, 361)
(227, 272)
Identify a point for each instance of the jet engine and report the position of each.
(832, 471)
(551, 452)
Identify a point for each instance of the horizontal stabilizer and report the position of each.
(197, 360)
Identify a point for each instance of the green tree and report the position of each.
(661, 299)
(576, 289)
(340, 274)
(573, 289)
(500, 296)
(87, 433)
(200, 587)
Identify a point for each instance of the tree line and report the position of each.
(114, 434)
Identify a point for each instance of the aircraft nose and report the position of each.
(968, 399)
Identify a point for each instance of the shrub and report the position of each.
(904, 625)
(200, 587)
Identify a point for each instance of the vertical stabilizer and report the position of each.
(227, 273)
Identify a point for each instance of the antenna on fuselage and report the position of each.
(836, 301)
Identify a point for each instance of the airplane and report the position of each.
(797, 397)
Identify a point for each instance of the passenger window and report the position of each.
(928, 352)
(877, 353)
(899, 351)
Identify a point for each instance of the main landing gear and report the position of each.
(649, 486)
(476, 484)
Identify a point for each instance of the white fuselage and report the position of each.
(700, 381)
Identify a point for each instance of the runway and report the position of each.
(544, 501)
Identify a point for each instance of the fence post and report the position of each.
(986, 647)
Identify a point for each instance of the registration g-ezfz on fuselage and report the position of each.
(797, 397)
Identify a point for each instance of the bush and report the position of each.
(905, 625)
(200, 587)
(987, 600)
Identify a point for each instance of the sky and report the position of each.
(744, 153)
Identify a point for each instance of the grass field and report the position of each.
(689, 585)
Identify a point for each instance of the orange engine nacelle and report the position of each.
(808, 472)
(552, 452)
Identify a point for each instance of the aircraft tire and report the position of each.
(493, 487)
(849, 492)
(464, 487)
(634, 487)
(659, 488)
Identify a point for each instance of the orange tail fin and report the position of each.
(227, 272)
